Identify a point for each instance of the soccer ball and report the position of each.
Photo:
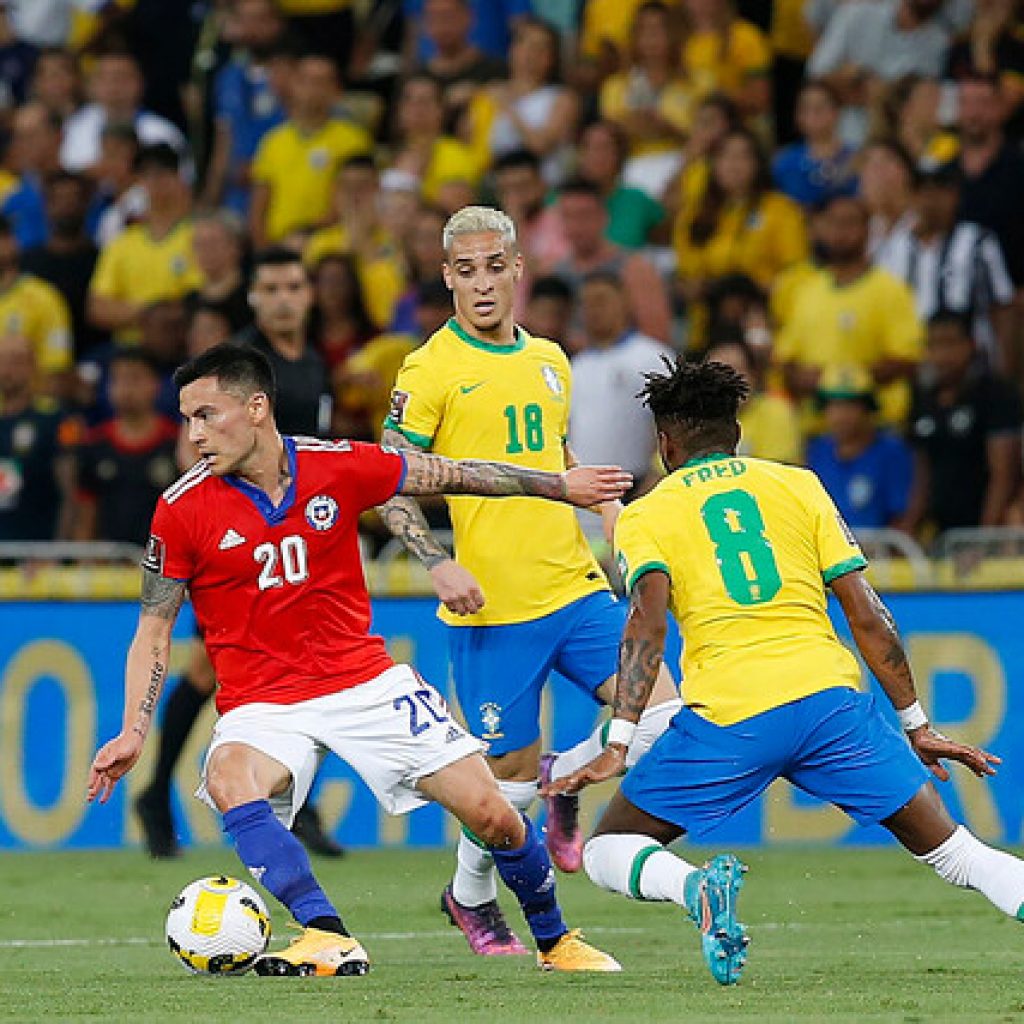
(218, 925)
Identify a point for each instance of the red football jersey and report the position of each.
(279, 593)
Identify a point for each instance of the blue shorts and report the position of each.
(835, 745)
(499, 671)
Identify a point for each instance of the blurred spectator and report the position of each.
(457, 64)
(610, 426)
(788, 284)
(115, 85)
(35, 482)
(151, 261)
(296, 163)
(44, 22)
(56, 82)
(119, 199)
(282, 300)
(531, 109)
(422, 148)
(954, 266)
(769, 426)
(68, 259)
(965, 426)
(358, 231)
(651, 100)
(549, 310)
(521, 193)
(887, 180)
(739, 226)
(34, 155)
(17, 59)
(735, 301)
(208, 325)
(586, 223)
(492, 21)
(915, 112)
(424, 256)
(124, 464)
(605, 32)
(792, 41)
(993, 47)
(218, 248)
(339, 324)
(398, 204)
(855, 314)
(34, 311)
(870, 42)
(991, 194)
(632, 214)
(822, 165)
(325, 26)
(867, 471)
(247, 102)
(724, 53)
(364, 382)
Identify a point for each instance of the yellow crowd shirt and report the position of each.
(749, 547)
(856, 324)
(381, 272)
(465, 398)
(299, 169)
(369, 375)
(770, 429)
(716, 64)
(674, 104)
(34, 309)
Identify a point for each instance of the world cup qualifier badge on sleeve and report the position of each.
(399, 400)
(155, 553)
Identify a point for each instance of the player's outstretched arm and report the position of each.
(455, 586)
(145, 674)
(874, 632)
(640, 655)
(581, 486)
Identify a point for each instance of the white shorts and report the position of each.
(393, 730)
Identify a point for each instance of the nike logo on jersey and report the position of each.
(230, 540)
(466, 389)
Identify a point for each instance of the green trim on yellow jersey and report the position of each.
(642, 570)
(842, 568)
(499, 350)
(701, 459)
(420, 440)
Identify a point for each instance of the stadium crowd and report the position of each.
(826, 194)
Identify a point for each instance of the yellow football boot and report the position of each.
(571, 953)
(315, 953)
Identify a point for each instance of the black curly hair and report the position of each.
(696, 402)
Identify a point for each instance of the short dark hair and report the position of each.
(701, 400)
(581, 187)
(516, 158)
(276, 256)
(161, 155)
(138, 356)
(551, 287)
(6, 227)
(359, 160)
(243, 371)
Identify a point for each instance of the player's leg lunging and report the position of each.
(240, 781)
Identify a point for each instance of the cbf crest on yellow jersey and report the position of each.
(749, 546)
(468, 399)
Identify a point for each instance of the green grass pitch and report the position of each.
(838, 935)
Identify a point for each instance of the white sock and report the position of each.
(965, 861)
(638, 867)
(653, 722)
(476, 880)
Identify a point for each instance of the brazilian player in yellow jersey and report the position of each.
(526, 595)
(741, 551)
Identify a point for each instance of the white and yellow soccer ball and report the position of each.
(218, 925)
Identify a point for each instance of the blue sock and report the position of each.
(276, 859)
(529, 874)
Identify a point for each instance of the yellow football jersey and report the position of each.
(34, 309)
(465, 398)
(299, 169)
(749, 546)
(136, 267)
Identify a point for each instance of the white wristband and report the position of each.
(912, 717)
(620, 731)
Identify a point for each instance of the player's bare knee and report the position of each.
(229, 778)
(496, 822)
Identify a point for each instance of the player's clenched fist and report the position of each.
(592, 485)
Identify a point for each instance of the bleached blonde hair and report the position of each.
(475, 220)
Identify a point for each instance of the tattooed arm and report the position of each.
(878, 640)
(145, 674)
(455, 586)
(640, 656)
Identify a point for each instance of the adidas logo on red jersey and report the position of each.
(230, 540)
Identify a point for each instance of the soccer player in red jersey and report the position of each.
(263, 534)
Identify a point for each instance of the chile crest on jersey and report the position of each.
(321, 512)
